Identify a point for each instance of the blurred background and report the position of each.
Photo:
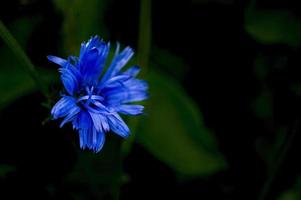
(222, 122)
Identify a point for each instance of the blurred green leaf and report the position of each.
(174, 132)
(270, 26)
(165, 61)
(263, 105)
(4, 169)
(15, 82)
(82, 19)
(24, 62)
(22, 28)
(172, 64)
(292, 194)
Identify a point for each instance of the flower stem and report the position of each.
(284, 149)
(144, 41)
(144, 45)
(25, 62)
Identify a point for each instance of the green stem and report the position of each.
(144, 45)
(25, 62)
(278, 161)
(144, 41)
(251, 6)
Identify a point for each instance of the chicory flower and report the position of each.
(95, 95)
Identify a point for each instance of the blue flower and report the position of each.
(95, 95)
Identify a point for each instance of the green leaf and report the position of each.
(14, 81)
(24, 62)
(263, 105)
(172, 64)
(174, 132)
(82, 19)
(270, 26)
(4, 169)
(292, 194)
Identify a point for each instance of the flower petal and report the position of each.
(130, 109)
(71, 115)
(132, 71)
(57, 60)
(117, 63)
(114, 81)
(100, 122)
(92, 59)
(136, 84)
(121, 95)
(89, 137)
(85, 126)
(69, 80)
(100, 141)
(131, 90)
(63, 107)
(117, 125)
(128, 85)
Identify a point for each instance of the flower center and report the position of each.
(89, 96)
(90, 100)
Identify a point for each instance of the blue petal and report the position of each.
(117, 63)
(120, 95)
(92, 59)
(63, 107)
(57, 60)
(71, 116)
(132, 71)
(136, 84)
(100, 122)
(128, 91)
(128, 85)
(93, 42)
(89, 137)
(92, 97)
(117, 49)
(114, 81)
(117, 125)
(130, 109)
(88, 63)
(84, 125)
(84, 120)
(70, 76)
(100, 141)
(69, 80)
(82, 138)
(132, 96)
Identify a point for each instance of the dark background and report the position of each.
(241, 70)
